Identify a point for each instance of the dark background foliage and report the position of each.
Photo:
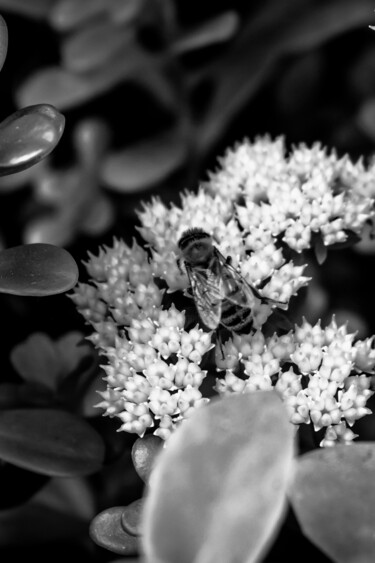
(301, 69)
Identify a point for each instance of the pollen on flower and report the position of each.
(263, 207)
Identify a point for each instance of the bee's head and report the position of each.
(195, 246)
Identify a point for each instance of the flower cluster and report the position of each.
(262, 209)
(321, 375)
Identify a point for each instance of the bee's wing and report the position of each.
(235, 288)
(206, 294)
(232, 285)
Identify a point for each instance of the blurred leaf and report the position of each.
(40, 359)
(294, 27)
(65, 90)
(91, 139)
(99, 218)
(159, 86)
(334, 500)
(217, 491)
(36, 360)
(72, 349)
(106, 530)
(29, 135)
(36, 270)
(55, 228)
(365, 119)
(94, 46)
(70, 495)
(323, 21)
(32, 9)
(18, 395)
(3, 41)
(50, 442)
(9, 395)
(144, 454)
(216, 30)
(68, 14)
(124, 11)
(131, 517)
(144, 164)
(19, 179)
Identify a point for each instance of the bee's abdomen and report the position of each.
(236, 318)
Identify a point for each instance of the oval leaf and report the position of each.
(29, 135)
(68, 14)
(36, 270)
(334, 500)
(50, 442)
(217, 492)
(144, 452)
(144, 164)
(106, 530)
(3, 41)
(93, 46)
(131, 518)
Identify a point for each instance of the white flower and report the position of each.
(262, 206)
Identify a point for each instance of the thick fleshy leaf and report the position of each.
(144, 452)
(29, 135)
(218, 29)
(218, 491)
(333, 497)
(50, 442)
(35, 9)
(36, 270)
(95, 45)
(106, 530)
(131, 518)
(3, 41)
(144, 164)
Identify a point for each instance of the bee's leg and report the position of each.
(220, 342)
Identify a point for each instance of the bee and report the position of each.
(221, 295)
